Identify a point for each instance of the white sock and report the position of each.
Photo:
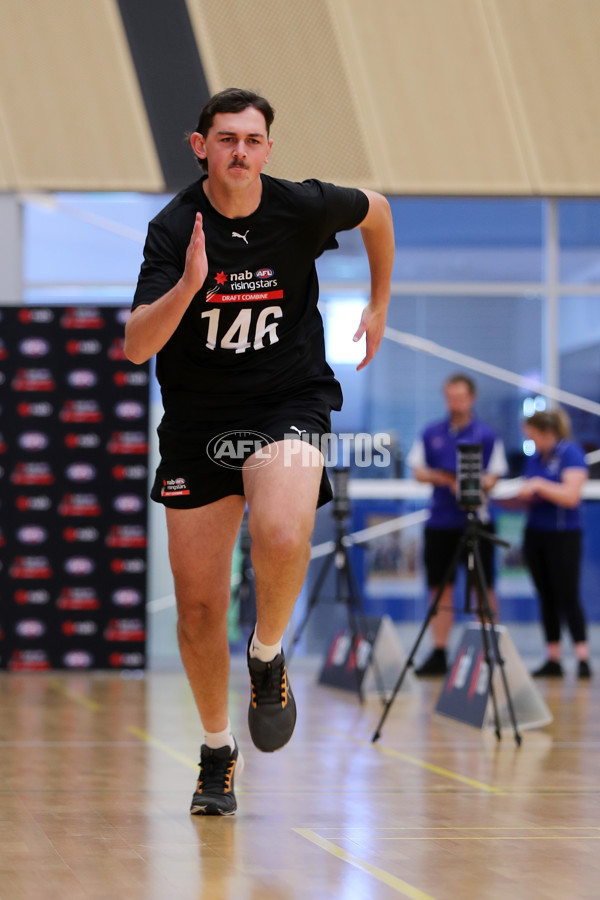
(216, 739)
(264, 652)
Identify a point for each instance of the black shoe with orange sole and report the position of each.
(214, 794)
(272, 709)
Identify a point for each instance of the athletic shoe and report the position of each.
(214, 794)
(583, 669)
(435, 664)
(272, 709)
(550, 669)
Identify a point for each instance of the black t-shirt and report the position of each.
(253, 331)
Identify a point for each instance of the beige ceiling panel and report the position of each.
(427, 84)
(549, 54)
(290, 53)
(71, 105)
(7, 168)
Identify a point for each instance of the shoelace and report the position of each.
(215, 775)
(264, 684)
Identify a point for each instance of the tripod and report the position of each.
(344, 578)
(475, 580)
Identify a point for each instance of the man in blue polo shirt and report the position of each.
(433, 461)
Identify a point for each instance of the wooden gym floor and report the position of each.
(98, 771)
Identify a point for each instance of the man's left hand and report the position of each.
(372, 324)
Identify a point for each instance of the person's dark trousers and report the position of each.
(554, 561)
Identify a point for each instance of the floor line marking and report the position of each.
(81, 699)
(447, 773)
(415, 761)
(494, 837)
(84, 701)
(397, 884)
(343, 830)
(160, 745)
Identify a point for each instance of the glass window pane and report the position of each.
(84, 240)
(405, 385)
(453, 240)
(579, 337)
(579, 229)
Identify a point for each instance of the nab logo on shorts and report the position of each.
(174, 487)
(232, 448)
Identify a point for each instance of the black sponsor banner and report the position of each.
(73, 491)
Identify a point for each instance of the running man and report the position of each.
(227, 300)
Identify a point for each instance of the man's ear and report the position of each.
(198, 145)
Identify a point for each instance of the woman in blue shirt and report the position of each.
(554, 478)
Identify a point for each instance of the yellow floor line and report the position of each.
(154, 742)
(81, 699)
(415, 761)
(397, 884)
(344, 830)
(84, 701)
(447, 773)
(496, 837)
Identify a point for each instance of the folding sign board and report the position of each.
(466, 694)
(369, 661)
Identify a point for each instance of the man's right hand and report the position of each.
(196, 263)
(150, 326)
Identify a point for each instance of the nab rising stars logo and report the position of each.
(250, 285)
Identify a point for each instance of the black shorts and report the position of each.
(203, 463)
(440, 546)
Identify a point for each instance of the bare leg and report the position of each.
(201, 543)
(442, 622)
(282, 499)
(553, 650)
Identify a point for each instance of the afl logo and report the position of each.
(32, 534)
(30, 628)
(128, 503)
(78, 659)
(129, 409)
(33, 440)
(81, 472)
(233, 449)
(79, 565)
(264, 273)
(34, 347)
(82, 378)
(127, 597)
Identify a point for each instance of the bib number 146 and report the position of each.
(237, 337)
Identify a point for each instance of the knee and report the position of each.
(199, 615)
(283, 540)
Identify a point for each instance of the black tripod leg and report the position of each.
(357, 614)
(474, 583)
(311, 603)
(430, 614)
(353, 606)
(485, 612)
(490, 664)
